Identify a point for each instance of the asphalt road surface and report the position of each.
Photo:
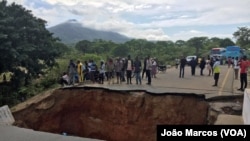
(169, 82)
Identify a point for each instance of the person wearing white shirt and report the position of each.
(236, 68)
(64, 79)
(216, 68)
(148, 69)
(102, 72)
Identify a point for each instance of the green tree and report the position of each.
(84, 46)
(121, 51)
(226, 42)
(198, 43)
(100, 46)
(61, 48)
(149, 48)
(180, 43)
(214, 42)
(242, 36)
(26, 46)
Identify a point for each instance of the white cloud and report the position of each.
(194, 33)
(16, 1)
(146, 18)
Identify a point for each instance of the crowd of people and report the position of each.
(113, 70)
(118, 70)
(240, 66)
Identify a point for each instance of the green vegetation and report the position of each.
(33, 60)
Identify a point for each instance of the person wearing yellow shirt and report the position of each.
(216, 68)
(79, 71)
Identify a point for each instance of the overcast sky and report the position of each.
(148, 19)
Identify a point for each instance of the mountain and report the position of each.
(71, 32)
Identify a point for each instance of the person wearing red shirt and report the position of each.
(244, 64)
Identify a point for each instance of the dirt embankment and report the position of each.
(111, 115)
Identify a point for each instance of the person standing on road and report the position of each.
(118, 68)
(110, 70)
(80, 71)
(193, 64)
(183, 62)
(123, 70)
(137, 70)
(144, 68)
(216, 68)
(102, 72)
(129, 67)
(148, 69)
(154, 68)
(244, 64)
(229, 61)
(202, 65)
(72, 72)
(212, 61)
(236, 68)
(209, 67)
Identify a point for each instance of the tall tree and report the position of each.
(198, 43)
(242, 37)
(137, 47)
(121, 51)
(180, 43)
(226, 42)
(84, 46)
(26, 46)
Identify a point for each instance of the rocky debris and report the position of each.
(111, 115)
(221, 106)
(227, 107)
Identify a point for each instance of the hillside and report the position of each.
(72, 32)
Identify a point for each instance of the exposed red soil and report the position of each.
(111, 115)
